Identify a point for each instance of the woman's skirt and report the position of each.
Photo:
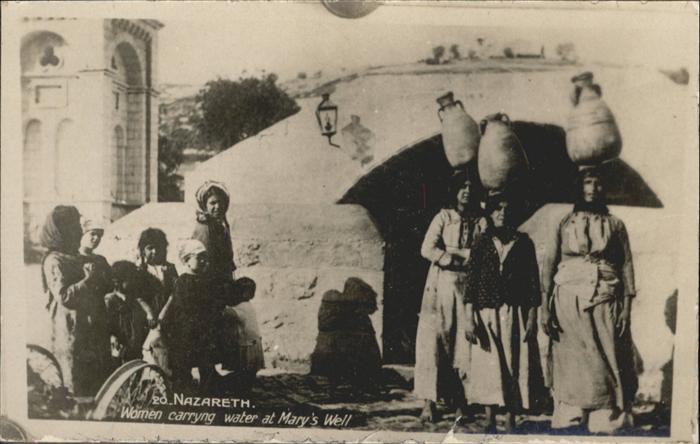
(504, 370)
(442, 351)
(592, 367)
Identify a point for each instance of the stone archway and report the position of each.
(402, 195)
(405, 192)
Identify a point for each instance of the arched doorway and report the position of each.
(405, 192)
(402, 195)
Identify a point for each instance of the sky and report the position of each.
(200, 44)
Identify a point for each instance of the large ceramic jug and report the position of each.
(501, 158)
(460, 133)
(592, 135)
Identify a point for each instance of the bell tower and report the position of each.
(89, 116)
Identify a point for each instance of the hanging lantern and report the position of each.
(327, 116)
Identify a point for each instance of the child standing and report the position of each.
(189, 324)
(159, 274)
(98, 344)
(159, 278)
(128, 315)
(502, 296)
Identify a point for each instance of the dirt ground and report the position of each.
(394, 408)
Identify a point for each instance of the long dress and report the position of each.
(79, 331)
(442, 351)
(215, 234)
(502, 285)
(588, 265)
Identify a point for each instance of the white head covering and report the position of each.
(204, 189)
(91, 225)
(190, 247)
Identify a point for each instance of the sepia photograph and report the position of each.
(349, 221)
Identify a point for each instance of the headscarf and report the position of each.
(580, 205)
(189, 247)
(61, 233)
(91, 225)
(202, 195)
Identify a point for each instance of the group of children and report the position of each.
(200, 326)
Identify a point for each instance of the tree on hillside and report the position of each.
(231, 111)
(438, 52)
(454, 52)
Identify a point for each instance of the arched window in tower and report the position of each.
(66, 174)
(31, 158)
(119, 169)
(130, 116)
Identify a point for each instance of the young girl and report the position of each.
(128, 315)
(213, 231)
(159, 277)
(159, 274)
(92, 236)
(502, 296)
(190, 324)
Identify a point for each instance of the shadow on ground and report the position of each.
(393, 407)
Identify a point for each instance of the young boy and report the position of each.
(128, 317)
(189, 325)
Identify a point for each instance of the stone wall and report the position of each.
(295, 253)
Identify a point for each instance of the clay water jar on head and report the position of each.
(501, 158)
(592, 135)
(460, 133)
